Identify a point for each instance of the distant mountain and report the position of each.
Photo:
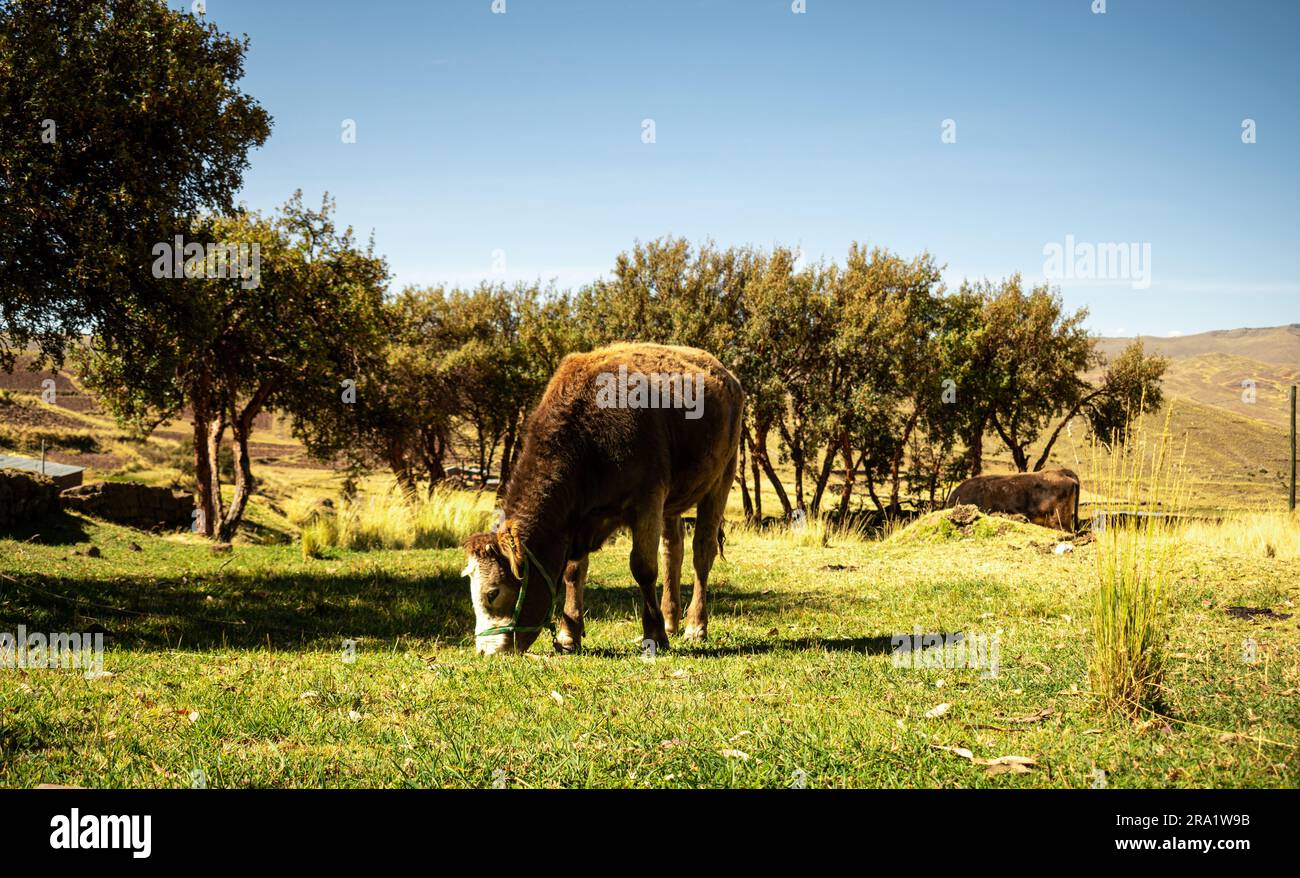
(1210, 368)
(1271, 344)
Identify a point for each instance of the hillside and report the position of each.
(1272, 344)
(1209, 368)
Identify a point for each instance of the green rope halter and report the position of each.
(514, 626)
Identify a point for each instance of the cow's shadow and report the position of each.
(604, 602)
(316, 611)
(879, 645)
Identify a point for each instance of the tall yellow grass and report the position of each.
(1134, 567)
(1253, 534)
(805, 531)
(443, 520)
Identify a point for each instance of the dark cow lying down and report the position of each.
(1049, 498)
(606, 448)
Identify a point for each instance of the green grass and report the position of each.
(233, 665)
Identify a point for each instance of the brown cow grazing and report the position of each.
(1049, 498)
(629, 435)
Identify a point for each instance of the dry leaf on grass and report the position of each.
(937, 711)
(735, 754)
(999, 765)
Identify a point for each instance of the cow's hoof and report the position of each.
(568, 647)
(696, 633)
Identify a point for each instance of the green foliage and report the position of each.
(288, 338)
(120, 120)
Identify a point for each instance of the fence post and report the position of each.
(1291, 502)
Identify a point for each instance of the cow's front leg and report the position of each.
(646, 531)
(568, 633)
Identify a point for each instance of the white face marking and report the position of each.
(482, 618)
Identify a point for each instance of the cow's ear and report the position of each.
(512, 547)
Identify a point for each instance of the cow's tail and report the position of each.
(722, 541)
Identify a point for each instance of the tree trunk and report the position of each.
(823, 477)
(507, 460)
(1017, 450)
(760, 453)
(976, 444)
(796, 460)
(741, 476)
(758, 481)
(897, 461)
(1051, 440)
(243, 483)
(206, 518)
(432, 451)
(241, 428)
(396, 456)
(850, 470)
(871, 490)
(216, 437)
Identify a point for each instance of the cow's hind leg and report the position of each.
(568, 633)
(704, 546)
(646, 531)
(671, 605)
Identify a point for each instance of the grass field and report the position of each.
(233, 665)
(230, 668)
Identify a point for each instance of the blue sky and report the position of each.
(522, 133)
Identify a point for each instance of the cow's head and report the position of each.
(496, 568)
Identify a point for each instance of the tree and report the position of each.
(881, 372)
(951, 407)
(784, 344)
(1034, 353)
(1129, 387)
(287, 337)
(120, 120)
(454, 360)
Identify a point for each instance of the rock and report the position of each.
(963, 514)
(1062, 548)
(132, 504)
(26, 497)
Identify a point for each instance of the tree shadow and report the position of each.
(57, 529)
(235, 610)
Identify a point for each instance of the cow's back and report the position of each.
(613, 450)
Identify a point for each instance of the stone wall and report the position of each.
(25, 497)
(132, 503)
